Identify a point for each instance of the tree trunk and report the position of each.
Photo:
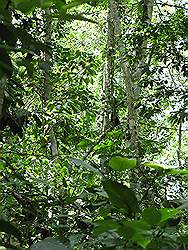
(46, 98)
(129, 84)
(108, 86)
(2, 88)
(47, 86)
(141, 53)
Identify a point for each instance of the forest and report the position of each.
(93, 124)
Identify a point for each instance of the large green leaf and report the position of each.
(26, 6)
(142, 240)
(137, 230)
(127, 231)
(49, 244)
(46, 3)
(167, 213)
(152, 215)
(8, 228)
(121, 196)
(106, 225)
(121, 164)
(172, 170)
(178, 171)
(158, 166)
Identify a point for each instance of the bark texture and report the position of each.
(108, 88)
(47, 85)
(132, 76)
(127, 76)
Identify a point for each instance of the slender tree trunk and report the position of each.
(47, 86)
(2, 88)
(46, 98)
(108, 85)
(129, 84)
(179, 143)
(131, 79)
(141, 53)
(108, 88)
(4, 77)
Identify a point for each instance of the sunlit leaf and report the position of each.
(121, 164)
(178, 171)
(167, 213)
(158, 166)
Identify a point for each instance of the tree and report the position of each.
(92, 97)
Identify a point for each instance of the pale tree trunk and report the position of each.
(47, 86)
(108, 85)
(108, 88)
(127, 77)
(131, 79)
(141, 53)
(179, 143)
(46, 98)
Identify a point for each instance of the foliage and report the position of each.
(94, 193)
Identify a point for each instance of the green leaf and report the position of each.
(2, 165)
(152, 216)
(157, 166)
(127, 231)
(49, 244)
(137, 230)
(138, 224)
(26, 6)
(167, 213)
(105, 226)
(169, 169)
(121, 164)
(178, 171)
(84, 143)
(79, 162)
(142, 240)
(8, 228)
(121, 196)
(44, 4)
